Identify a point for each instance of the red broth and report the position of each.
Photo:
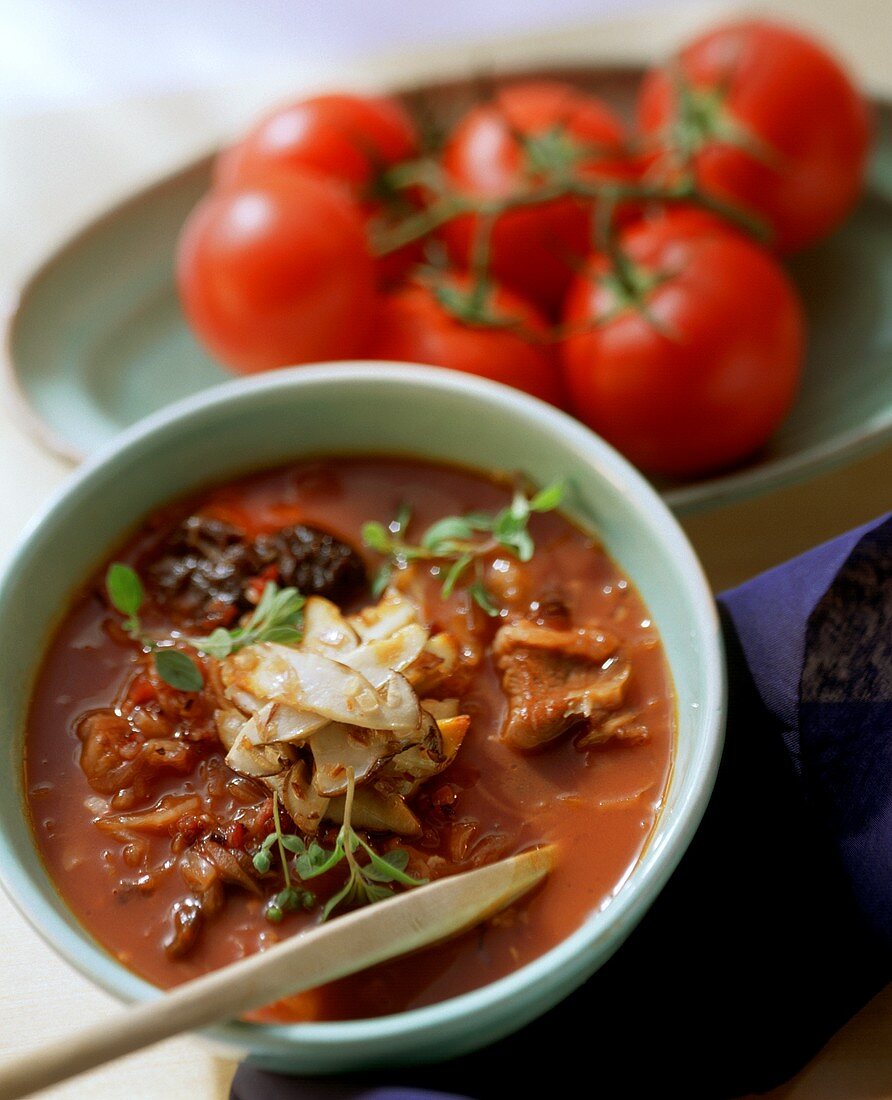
(598, 806)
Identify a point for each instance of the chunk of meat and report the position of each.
(113, 756)
(626, 726)
(555, 679)
(313, 561)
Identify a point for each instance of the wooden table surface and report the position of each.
(57, 169)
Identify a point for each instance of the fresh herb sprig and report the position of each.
(463, 541)
(289, 898)
(276, 618)
(366, 883)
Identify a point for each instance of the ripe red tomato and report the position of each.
(530, 133)
(413, 325)
(277, 274)
(774, 123)
(349, 137)
(691, 361)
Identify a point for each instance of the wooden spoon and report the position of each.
(411, 920)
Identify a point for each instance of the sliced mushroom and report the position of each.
(406, 771)
(379, 658)
(308, 681)
(295, 791)
(337, 747)
(435, 663)
(441, 708)
(275, 722)
(292, 725)
(343, 694)
(258, 760)
(326, 631)
(379, 811)
(390, 614)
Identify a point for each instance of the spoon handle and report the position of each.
(353, 942)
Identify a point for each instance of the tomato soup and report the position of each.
(552, 718)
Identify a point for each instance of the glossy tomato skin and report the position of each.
(698, 375)
(808, 126)
(277, 274)
(348, 137)
(412, 326)
(534, 249)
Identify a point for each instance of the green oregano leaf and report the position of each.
(458, 540)
(482, 598)
(381, 579)
(447, 529)
(284, 635)
(377, 537)
(217, 644)
(177, 669)
(547, 499)
(125, 592)
(454, 573)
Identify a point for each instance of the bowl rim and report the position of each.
(634, 893)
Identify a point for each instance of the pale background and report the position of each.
(99, 96)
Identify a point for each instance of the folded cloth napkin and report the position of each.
(777, 925)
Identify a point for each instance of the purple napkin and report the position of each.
(777, 925)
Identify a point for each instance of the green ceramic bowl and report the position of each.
(365, 408)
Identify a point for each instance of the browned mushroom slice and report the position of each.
(380, 811)
(257, 760)
(337, 748)
(295, 791)
(250, 731)
(325, 630)
(307, 681)
(441, 708)
(434, 664)
(292, 725)
(276, 722)
(392, 638)
(377, 659)
(405, 773)
(386, 617)
(556, 678)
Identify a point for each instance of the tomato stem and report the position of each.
(451, 206)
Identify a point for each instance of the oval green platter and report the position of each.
(97, 339)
